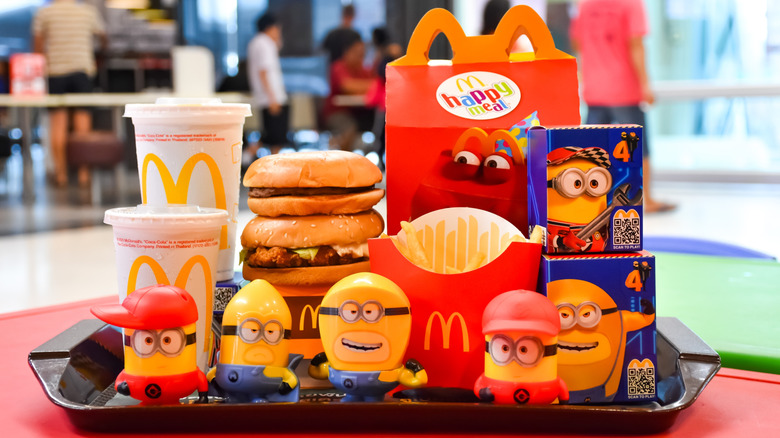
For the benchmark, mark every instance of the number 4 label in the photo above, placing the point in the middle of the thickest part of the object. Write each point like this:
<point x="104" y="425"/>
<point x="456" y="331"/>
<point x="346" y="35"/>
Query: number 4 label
<point x="634" y="281"/>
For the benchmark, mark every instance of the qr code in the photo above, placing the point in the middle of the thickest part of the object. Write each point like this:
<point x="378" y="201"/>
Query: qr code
<point x="641" y="379"/>
<point x="222" y="296"/>
<point x="626" y="231"/>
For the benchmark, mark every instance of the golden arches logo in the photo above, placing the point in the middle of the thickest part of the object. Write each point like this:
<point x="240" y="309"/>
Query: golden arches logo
<point x="176" y="192"/>
<point x="630" y="214"/>
<point x="314" y="311"/>
<point x="446" y="329"/>
<point x="488" y="143"/>
<point x="467" y="81"/>
<point x="181" y="280"/>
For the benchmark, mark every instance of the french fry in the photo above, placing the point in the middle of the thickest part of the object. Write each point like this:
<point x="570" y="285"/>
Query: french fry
<point x="514" y="238"/>
<point x="537" y="234"/>
<point x="401" y="248"/>
<point x="451" y="270"/>
<point x="476" y="261"/>
<point x="416" y="250"/>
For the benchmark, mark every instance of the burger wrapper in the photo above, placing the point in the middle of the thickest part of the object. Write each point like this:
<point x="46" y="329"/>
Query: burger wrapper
<point x="446" y="334"/>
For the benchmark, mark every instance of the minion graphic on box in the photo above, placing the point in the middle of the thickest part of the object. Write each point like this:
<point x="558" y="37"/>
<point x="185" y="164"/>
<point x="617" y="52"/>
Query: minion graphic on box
<point x="365" y="322"/>
<point x="592" y="340"/>
<point x="159" y="339"/>
<point x="254" y="364"/>
<point x="521" y="345"/>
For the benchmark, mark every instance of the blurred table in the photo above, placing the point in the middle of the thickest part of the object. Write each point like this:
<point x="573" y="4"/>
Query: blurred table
<point x="23" y="107"/>
<point x="731" y="303"/>
<point x="735" y="403"/>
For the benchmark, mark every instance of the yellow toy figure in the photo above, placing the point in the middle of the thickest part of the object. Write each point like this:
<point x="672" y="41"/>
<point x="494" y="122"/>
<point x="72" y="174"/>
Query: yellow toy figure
<point x="365" y="323"/>
<point x="591" y="345"/>
<point x="578" y="181"/>
<point x="254" y="364"/>
<point x="160" y="355"/>
<point x="521" y="334"/>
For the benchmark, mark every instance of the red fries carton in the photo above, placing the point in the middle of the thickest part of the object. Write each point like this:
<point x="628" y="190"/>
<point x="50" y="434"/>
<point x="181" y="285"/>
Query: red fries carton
<point x="456" y="129"/>
<point x="446" y="334"/>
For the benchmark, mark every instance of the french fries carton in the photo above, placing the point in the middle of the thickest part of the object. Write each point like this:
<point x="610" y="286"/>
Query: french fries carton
<point x="606" y="347"/>
<point x="585" y="187"/>
<point x="485" y="259"/>
<point x="456" y="129"/>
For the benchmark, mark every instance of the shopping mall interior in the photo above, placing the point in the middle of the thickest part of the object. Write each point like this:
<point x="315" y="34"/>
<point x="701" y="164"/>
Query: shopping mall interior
<point x="715" y="140"/>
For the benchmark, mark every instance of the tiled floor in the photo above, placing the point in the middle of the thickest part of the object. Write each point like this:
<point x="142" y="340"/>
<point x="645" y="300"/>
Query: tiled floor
<point x="74" y="258"/>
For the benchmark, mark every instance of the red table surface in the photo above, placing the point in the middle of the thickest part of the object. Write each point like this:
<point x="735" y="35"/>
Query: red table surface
<point x="735" y="403"/>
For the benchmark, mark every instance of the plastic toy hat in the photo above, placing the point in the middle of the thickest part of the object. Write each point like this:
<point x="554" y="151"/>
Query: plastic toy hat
<point x="521" y="310"/>
<point x="155" y="307"/>
<point x="595" y="155"/>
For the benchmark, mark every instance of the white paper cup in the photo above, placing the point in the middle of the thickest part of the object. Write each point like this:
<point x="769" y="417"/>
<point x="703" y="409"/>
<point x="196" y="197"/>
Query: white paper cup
<point x="176" y="245"/>
<point x="189" y="152"/>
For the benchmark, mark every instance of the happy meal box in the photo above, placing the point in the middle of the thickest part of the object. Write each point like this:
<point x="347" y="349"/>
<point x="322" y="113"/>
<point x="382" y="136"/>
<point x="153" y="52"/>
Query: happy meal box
<point x="585" y="187"/>
<point x="607" y="307"/>
<point x="456" y="129"/>
<point x="469" y="257"/>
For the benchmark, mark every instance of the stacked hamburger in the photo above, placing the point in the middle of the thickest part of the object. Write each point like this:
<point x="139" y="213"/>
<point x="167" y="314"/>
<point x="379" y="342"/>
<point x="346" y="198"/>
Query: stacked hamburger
<point x="314" y="217"/>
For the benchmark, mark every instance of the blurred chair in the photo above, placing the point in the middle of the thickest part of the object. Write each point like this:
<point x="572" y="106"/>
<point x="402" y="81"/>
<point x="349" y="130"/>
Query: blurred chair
<point x="98" y="150"/>
<point x="687" y="245"/>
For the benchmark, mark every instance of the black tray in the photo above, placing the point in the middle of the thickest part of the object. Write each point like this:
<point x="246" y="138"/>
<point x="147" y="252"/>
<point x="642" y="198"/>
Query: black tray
<point x="88" y="356"/>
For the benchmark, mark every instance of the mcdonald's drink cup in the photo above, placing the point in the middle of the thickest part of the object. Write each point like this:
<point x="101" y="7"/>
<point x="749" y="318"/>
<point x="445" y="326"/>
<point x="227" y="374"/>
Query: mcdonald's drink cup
<point x="177" y="245"/>
<point x="189" y="152"/>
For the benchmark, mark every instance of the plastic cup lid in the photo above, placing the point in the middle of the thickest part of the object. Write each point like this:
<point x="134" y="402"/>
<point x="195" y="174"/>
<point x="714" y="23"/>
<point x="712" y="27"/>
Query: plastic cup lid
<point x="171" y="107"/>
<point x="177" y="215"/>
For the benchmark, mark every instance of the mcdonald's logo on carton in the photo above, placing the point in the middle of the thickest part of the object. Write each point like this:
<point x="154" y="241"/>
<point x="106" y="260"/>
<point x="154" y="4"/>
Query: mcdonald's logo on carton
<point x="304" y="304"/>
<point x="446" y="330"/>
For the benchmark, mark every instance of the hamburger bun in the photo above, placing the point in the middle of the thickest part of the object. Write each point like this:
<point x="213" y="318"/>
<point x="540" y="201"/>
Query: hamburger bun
<point x="313" y="169"/>
<point x="307" y="276"/>
<point x="317" y="204"/>
<point x="310" y="231"/>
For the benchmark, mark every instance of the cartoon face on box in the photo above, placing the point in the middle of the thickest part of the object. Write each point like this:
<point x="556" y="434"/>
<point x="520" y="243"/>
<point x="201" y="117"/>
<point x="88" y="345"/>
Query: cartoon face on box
<point x="484" y="171"/>
<point x="607" y="315"/>
<point x="586" y="188"/>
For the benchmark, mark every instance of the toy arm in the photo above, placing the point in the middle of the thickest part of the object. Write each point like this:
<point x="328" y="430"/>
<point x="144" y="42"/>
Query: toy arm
<point x="413" y="374"/>
<point x="121" y="384"/>
<point x="203" y="387"/>
<point x="318" y="368"/>
<point x="289" y="382"/>
<point x="211" y="374"/>
<point x="563" y="392"/>
<point x="637" y="320"/>
<point x="482" y="391"/>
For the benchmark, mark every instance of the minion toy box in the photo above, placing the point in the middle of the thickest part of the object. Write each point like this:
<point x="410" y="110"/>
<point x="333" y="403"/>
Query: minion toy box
<point x="585" y="187"/>
<point x="606" y="305"/>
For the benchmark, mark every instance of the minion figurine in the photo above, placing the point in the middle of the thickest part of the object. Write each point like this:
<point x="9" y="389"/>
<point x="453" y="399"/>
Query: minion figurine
<point x="521" y="367"/>
<point x="159" y="338"/>
<point x="365" y="323"/>
<point x="591" y="345"/>
<point x="578" y="180"/>
<point x="254" y="364"/>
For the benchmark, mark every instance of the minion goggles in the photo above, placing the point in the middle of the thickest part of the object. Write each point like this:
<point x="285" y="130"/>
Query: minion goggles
<point x="169" y="342"/>
<point x="371" y="312"/>
<point x="590" y="317"/>
<point x="527" y="351"/>
<point x="251" y="331"/>
<point x="570" y="183"/>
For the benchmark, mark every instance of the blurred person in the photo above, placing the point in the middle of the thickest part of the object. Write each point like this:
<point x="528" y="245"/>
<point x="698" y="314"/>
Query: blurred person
<point x="491" y="15"/>
<point x="337" y="41"/>
<point x="608" y="35"/>
<point x="386" y="51"/>
<point x="348" y="76"/>
<point x="63" y="31"/>
<point x="267" y="85"/>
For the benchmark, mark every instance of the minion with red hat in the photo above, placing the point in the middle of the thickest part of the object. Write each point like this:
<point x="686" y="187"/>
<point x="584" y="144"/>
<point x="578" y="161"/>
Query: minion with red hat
<point x="578" y="180"/>
<point x="521" y="344"/>
<point x="159" y="339"/>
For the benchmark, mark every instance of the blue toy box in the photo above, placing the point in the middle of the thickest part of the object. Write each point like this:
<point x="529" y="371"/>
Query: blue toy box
<point x="585" y="187"/>
<point x="606" y="347"/>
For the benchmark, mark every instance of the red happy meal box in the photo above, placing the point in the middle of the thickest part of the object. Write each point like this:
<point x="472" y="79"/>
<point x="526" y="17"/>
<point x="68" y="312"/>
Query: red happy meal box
<point x="446" y="334"/>
<point x="456" y="129"/>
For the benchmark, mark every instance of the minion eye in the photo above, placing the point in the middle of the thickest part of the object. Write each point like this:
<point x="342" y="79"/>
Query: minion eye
<point x="498" y="161"/>
<point x="372" y="311"/>
<point x="249" y="331"/>
<point x="467" y="157"/>
<point x="570" y="183"/>
<point x="143" y="342"/>
<point x="171" y="341"/>
<point x="566" y="316"/>
<point x="529" y="351"/>
<point x="599" y="181"/>
<point x="273" y="332"/>
<point x="589" y="316"/>
<point x="500" y="348"/>
<point x="350" y="311"/>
